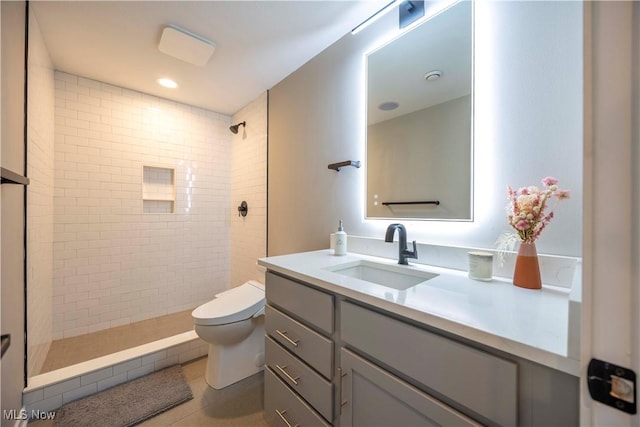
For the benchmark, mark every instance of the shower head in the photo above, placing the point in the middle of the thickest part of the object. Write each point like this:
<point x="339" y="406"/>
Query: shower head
<point x="234" y="128"/>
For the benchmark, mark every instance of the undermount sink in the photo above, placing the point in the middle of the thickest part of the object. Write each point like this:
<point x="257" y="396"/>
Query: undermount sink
<point x="391" y="276"/>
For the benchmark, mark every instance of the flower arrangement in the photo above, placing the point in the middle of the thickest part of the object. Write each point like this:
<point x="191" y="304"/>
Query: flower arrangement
<point x="528" y="210"/>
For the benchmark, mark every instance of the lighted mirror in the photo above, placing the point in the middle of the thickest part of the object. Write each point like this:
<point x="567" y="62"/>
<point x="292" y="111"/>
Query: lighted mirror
<point x="419" y="121"/>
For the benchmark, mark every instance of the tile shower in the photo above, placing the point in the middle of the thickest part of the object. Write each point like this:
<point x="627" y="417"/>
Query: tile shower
<point x="132" y="223"/>
<point x="115" y="262"/>
<point x="114" y="259"/>
<point x="140" y="208"/>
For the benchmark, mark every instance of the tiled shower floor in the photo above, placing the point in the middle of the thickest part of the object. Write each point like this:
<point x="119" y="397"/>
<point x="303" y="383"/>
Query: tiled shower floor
<point x="69" y="351"/>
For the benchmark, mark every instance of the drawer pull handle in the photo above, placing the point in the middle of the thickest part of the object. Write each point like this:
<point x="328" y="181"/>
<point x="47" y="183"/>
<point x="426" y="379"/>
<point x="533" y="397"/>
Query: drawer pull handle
<point x="343" y="401"/>
<point x="283" y="334"/>
<point x="286" y="374"/>
<point x="281" y="415"/>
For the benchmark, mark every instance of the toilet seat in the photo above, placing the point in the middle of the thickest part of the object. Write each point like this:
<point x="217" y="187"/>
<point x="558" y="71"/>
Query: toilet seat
<point x="233" y="305"/>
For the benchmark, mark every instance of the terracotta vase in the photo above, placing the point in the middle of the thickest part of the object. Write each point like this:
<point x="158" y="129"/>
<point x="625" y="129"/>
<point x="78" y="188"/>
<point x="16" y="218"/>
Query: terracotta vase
<point x="527" y="271"/>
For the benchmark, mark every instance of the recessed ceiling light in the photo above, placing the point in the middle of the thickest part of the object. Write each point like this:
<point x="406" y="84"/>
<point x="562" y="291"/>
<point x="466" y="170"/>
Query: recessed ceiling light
<point x="167" y="83"/>
<point x="388" y="106"/>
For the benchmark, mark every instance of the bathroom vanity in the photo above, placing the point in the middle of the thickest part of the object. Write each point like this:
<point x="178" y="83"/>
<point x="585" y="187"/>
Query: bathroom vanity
<point x="359" y="341"/>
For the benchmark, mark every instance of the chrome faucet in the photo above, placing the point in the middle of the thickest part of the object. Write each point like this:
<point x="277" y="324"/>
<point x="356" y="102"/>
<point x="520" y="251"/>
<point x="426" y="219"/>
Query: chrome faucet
<point x="403" y="252"/>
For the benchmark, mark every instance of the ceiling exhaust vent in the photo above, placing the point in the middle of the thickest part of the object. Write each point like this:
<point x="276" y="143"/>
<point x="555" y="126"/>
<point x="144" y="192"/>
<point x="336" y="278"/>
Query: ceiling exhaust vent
<point x="186" y="46"/>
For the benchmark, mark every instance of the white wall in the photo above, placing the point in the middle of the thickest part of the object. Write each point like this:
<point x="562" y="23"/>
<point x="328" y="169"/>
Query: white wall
<point x="249" y="183"/>
<point x="40" y="152"/>
<point x="527" y="125"/>
<point x="113" y="264"/>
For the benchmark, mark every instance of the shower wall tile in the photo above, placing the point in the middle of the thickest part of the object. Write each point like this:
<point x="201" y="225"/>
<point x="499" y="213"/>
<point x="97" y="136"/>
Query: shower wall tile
<point x="249" y="183"/>
<point x="40" y="199"/>
<point x="113" y="264"/>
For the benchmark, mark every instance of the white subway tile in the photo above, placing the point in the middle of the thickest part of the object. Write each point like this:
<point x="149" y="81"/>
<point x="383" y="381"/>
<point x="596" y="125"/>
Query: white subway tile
<point x="109" y="195"/>
<point x="79" y="393"/>
<point x="126" y="366"/>
<point x="89" y="101"/>
<point x="166" y="362"/>
<point x="32" y="396"/>
<point x="47" y="404"/>
<point x="58" y="389"/>
<point x="139" y="372"/>
<point x="112" y="381"/>
<point x="96" y="376"/>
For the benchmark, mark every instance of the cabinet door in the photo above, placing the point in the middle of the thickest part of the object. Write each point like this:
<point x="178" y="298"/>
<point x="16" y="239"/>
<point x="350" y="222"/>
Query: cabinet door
<point x="485" y="384"/>
<point x="373" y="397"/>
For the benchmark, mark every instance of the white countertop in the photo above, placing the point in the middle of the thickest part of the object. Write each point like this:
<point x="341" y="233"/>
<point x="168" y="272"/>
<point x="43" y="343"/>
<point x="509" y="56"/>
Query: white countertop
<point x="532" y="324"/>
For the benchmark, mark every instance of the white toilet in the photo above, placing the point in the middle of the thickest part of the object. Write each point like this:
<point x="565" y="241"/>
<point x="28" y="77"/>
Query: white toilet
<point x="233" y="325"/>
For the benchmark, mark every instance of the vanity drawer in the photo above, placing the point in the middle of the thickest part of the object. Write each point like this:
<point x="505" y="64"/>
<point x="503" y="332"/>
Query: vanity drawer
<point x="308" y="345"/>
<point x="301" y="378"/>
<point x="306" y="303"/>
<point x="481" y="382"/>
<point x="285" y="407"/>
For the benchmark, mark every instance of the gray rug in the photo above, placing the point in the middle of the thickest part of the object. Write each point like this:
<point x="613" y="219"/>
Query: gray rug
<point x="128" y="404"/>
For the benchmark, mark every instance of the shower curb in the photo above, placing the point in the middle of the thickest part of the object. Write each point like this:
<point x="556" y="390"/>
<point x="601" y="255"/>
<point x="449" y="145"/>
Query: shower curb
<point x="49" y="391"/>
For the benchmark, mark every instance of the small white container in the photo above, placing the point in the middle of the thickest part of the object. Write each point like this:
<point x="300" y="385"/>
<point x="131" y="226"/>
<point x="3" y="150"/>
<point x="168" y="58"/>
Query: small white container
<point x="480" y="265"/>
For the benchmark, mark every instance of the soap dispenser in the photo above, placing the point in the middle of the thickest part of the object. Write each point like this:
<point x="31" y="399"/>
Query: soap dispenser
<point x="341" y="241"/>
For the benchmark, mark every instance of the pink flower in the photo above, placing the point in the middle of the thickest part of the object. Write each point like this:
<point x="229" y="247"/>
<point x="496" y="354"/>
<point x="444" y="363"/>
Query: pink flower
<point x="528" y="211"/>
<point x="526" y="202"/>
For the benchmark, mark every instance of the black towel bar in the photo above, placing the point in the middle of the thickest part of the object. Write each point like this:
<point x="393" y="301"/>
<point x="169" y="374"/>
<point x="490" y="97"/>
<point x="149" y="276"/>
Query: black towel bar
<point x="429" y="202"/>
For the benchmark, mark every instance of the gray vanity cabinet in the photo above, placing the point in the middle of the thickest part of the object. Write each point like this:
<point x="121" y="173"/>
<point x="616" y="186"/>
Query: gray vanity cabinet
<point x="475" y="380"/>
<point x="372" y="397"/>
<point x="332" y="360"/>
<point x="298" y="354"/>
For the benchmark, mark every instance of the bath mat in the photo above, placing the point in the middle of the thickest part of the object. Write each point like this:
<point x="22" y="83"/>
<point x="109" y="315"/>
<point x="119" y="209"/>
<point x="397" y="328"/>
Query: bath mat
<point x="128" y="404"/>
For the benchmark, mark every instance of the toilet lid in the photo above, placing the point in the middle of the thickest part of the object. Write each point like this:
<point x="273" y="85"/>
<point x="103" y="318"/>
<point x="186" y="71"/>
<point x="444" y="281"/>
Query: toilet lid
<point x="230" y="306"/>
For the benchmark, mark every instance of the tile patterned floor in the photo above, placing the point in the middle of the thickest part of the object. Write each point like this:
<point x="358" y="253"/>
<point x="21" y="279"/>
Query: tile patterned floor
<point x="69" y="351"/>
<point x="238" y="405"/>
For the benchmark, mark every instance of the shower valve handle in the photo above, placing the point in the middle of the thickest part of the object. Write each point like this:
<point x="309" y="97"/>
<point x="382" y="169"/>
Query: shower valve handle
<point x="243" y="209"/>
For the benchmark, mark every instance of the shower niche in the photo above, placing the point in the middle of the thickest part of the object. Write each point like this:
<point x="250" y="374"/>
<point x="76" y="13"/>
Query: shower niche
<point x="158" y="190"/>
